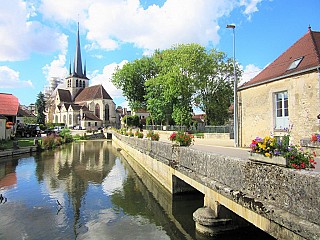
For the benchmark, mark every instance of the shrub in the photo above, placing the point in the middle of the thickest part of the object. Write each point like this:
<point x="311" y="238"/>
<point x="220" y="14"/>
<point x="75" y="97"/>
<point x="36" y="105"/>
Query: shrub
<point x="51" y="141"/>
<point x="153" y="136"/>
<point x="65" y="134"/>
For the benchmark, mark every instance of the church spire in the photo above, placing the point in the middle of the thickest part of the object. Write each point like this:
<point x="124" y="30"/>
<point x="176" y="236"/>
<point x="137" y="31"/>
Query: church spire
<point x="77" y="58"/>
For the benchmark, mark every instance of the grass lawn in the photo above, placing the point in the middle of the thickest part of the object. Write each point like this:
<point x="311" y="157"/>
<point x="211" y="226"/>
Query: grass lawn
<point x="24" y="142"/>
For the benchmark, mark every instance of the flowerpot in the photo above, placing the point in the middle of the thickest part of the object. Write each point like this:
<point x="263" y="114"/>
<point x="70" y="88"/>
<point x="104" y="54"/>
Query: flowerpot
<point x="275" y="160"/>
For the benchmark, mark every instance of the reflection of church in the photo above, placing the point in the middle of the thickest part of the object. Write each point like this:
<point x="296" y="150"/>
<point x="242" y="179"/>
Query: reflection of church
<point x="75" y="103"/>
<point x="73" y="169"/>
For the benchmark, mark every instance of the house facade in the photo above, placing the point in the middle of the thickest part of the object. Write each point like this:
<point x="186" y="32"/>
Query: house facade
<point x="284" y="98"/>
<point x="9" y="105"/>
<point x="75" y="103"/>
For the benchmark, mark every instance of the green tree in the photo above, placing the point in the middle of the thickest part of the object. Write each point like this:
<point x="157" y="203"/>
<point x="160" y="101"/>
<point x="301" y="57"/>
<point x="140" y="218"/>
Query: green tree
<point x="214" y="86"/>
<point x="131" y="80"/>
<point x="40" y="106"/>
<point x="171" y="92"/>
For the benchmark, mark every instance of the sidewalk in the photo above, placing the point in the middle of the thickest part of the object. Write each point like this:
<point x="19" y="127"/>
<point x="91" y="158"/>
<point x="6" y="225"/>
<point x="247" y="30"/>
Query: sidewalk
<point x="224" y="147"/>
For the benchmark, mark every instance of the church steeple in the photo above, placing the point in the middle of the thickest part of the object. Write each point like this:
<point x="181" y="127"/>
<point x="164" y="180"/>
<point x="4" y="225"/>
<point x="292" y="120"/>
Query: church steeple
<point x="77" y="70"/>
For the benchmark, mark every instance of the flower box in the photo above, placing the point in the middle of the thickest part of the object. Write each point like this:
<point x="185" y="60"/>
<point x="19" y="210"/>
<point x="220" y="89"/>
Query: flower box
<point x="276" y="160"/>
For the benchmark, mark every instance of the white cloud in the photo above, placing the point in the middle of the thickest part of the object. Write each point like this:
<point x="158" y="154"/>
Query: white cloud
<point x="105" y="79"/>
<point x="112" y="23"/>
<point x="10" y="78"/>
<point x="249" y="72"/>
<point x="19" y="36"/>
<point x="250" y="6"/>
<point x="56" y="68"/>
<point x="65" y="11"/>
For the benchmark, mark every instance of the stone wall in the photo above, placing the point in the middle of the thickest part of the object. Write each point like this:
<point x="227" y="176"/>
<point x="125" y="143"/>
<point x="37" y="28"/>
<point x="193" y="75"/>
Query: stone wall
<point x="256" y="109"/>
<point x="288" y="197"/>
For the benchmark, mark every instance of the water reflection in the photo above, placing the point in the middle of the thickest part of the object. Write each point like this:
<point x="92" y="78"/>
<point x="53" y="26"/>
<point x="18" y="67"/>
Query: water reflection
<point x="83" y="191"/>
<point x="86" y="190"/>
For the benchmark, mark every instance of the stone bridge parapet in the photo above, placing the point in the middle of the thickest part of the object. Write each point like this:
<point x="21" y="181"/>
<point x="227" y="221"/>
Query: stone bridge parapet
<point x="288" y="197"/>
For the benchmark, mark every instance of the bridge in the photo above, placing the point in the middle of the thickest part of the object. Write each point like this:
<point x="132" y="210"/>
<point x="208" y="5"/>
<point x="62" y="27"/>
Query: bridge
<point x="280" y="201"/>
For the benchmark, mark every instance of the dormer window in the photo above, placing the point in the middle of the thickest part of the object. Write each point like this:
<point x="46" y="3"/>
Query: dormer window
<point x="295" y="63"/>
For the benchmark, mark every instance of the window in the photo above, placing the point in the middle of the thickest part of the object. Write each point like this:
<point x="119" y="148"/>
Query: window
<point x="281" y="110"/>
<point x="89" y="124"/>
<point x="77" y="83"/>
<point x="95" y="124"/>
<point x="80" y="83"/>
<point x="97" y="110"/>
<point x="295" y="63"/>
<point x="106" y="114"/>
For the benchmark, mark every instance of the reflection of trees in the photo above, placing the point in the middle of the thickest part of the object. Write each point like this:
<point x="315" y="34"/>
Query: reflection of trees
<point x="73" y="167"/>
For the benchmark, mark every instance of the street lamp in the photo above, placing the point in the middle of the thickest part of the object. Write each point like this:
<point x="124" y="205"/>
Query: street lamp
<point x="235" y="102"/>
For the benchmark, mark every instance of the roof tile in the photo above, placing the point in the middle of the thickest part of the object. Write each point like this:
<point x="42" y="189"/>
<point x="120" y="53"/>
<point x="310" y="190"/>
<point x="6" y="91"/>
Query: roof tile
<point x="9" y="104"/>
<point x="307" y="47"/>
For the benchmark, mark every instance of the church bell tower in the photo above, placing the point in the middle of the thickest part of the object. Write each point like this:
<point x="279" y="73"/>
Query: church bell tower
<point x="77" y="79"/>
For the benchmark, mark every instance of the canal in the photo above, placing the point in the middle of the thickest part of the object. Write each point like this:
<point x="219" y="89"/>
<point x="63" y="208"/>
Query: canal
<point x="87" y="190"/>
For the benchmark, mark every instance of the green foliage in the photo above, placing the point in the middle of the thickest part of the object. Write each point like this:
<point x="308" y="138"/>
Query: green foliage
<point x="29" y="120"/>
<point x="131" y="80"/>
<point x="153" y="136"/>
<point x="170" y="82"/>
<point x="40" y="106"/>
<point x="65" y="134"/>
<point x="131" y="121"/>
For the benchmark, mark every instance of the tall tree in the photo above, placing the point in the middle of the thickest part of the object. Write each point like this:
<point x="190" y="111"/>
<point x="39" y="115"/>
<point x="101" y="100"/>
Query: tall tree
<point x="131" y="80"/>
<point x="40" y="106"/>
<point x="215" y="87"/>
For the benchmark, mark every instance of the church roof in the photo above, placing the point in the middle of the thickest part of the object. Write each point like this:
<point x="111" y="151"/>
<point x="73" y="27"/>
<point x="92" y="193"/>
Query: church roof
<point x="64" y="95"/>
<point x="9" y="104"/>
<point x="302" y="56"/>
<point x="91" y="93"/>
<point x="24" y="112"/>
<point x="91" y="117"/>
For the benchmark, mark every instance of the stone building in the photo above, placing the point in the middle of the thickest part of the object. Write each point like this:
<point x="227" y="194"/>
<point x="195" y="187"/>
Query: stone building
<point x="74" y="103"/>
<point x="285" y="95"/>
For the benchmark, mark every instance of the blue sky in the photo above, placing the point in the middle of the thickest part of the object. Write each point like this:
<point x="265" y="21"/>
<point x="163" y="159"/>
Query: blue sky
<point x="37" y="37"/>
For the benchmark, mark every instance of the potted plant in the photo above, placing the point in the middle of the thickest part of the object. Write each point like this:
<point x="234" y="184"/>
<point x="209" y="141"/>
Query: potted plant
<point x="182" y="138"/>
<point x="280" y="152"/>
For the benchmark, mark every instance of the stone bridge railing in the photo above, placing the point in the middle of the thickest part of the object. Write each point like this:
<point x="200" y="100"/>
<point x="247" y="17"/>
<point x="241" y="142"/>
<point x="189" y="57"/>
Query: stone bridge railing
<point x="290" y="198"/>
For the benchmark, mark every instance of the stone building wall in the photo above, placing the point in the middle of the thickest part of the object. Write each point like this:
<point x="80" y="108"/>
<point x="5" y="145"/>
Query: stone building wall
<point x="256" y="108"/>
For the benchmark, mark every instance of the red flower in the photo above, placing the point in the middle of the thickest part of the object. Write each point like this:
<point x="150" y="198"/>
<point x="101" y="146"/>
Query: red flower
<point x="314" y="138"/>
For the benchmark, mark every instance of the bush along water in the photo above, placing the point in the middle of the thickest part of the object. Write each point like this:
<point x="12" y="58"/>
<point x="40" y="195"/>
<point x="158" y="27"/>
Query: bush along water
<point x="296" y="156"/>
<point x="182" y="138"/>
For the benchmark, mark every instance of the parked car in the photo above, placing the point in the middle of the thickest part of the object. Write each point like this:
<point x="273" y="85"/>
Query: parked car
<point x="58" y="129"/>
<point x="29" y="130"/>
<point x="78" y="127"/>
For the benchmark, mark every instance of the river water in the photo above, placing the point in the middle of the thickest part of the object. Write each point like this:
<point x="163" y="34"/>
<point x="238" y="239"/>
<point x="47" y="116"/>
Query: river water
<point x="87" y="190"/>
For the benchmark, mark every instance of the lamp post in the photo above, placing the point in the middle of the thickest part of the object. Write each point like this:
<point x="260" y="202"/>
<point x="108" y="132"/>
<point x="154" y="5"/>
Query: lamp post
<point x="235" y="102"/>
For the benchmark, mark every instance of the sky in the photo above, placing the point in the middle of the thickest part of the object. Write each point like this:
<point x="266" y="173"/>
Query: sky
<point x="38" y="37"/>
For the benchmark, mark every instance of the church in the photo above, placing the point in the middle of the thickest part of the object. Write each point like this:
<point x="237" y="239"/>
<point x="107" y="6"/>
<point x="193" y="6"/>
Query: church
<point x="75" y="104"/>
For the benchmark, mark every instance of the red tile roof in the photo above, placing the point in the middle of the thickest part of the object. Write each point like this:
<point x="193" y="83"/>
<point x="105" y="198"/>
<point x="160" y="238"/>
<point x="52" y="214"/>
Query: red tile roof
<point x="9" y="104"/>
<point x="307" y="47"/>
<point x="93" y="92"/>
